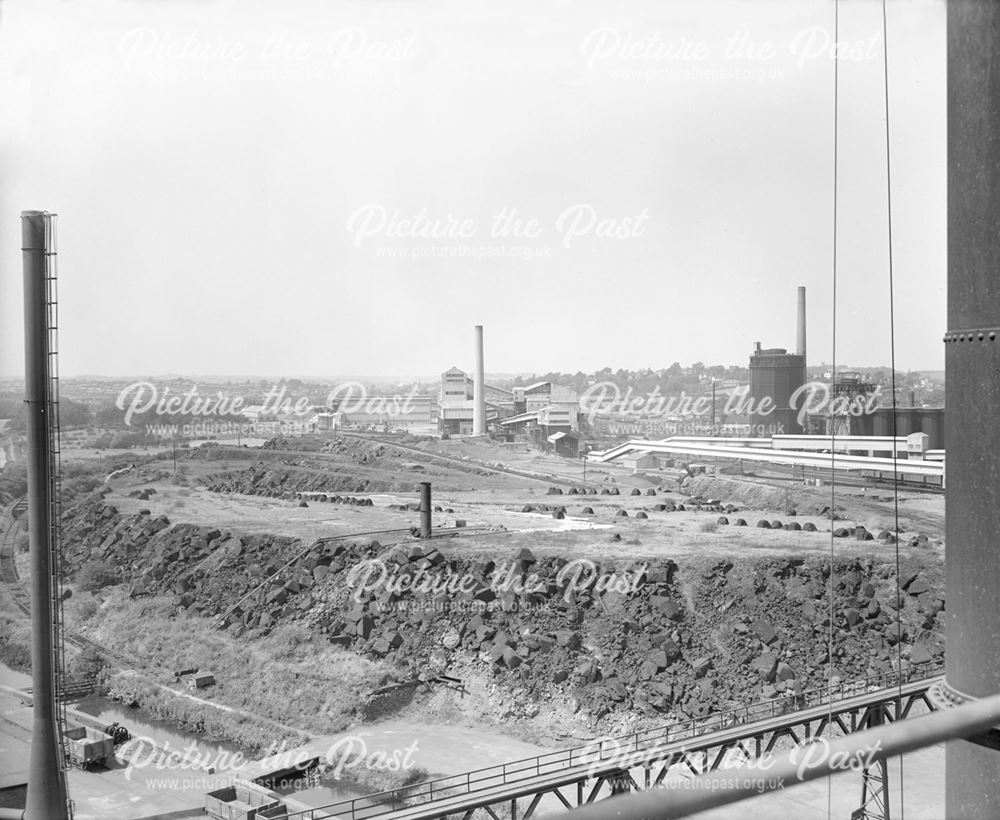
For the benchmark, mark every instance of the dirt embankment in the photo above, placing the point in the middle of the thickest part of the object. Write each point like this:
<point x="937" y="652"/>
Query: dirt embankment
<point x="339" y="465"/>
<point x="281" y="481"/>
<point x="918" y="512"/>
<point x="600" y="645"/>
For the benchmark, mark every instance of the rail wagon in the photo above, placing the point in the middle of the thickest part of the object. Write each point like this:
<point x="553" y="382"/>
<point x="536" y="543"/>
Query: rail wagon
<point x="88" y="746"/>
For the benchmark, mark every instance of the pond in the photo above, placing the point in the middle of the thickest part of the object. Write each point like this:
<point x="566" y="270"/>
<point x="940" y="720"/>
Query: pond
<point x="142" y="724"/>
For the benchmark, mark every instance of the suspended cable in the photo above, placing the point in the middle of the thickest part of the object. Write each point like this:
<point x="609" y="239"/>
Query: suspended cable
<point x="892" y="365"/>
<point x="833" y="376"/>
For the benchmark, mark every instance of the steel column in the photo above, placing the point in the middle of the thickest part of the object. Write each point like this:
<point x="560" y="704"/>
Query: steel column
<point x="972" y="364"/>
<point x="46" y="798"/>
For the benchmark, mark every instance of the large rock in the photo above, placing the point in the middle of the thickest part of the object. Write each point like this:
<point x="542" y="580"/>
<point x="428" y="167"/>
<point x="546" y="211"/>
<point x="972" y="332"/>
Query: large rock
<point x="616" y="689"/>
<point x="701" y="666"/>
<point x="567" y="639"/>
<point x="784" y="672"/>
<point x="671" y="649"/>
<point x="667" y="606"/>
<point x="763" y="630"/>
<point x="920" y="654"/>
<point x="365" y="627"/>
<point x="766" y="664"/>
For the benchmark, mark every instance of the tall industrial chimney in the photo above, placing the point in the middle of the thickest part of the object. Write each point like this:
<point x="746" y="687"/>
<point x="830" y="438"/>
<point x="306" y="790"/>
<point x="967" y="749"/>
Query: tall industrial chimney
<point x="479" y="389"/>
<point x="46" y="777"/>
<point x="800" y="347"/>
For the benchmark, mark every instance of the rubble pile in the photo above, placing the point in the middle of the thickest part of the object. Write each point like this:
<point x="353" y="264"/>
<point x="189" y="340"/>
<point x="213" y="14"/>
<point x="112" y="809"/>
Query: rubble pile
<point x="658" y="640"/>
<point x="284" y="481"/>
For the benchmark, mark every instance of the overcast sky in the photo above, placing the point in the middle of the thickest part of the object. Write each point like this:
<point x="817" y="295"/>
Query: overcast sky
<point x="303" y="188"/>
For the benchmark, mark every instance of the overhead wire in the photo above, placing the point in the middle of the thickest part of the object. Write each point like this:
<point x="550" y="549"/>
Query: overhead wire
<point x="832" y="420"/>
<point x="892" y="367"/>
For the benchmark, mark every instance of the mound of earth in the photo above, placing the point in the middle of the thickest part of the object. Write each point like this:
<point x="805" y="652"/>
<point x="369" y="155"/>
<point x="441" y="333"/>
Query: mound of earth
<point x="668" y="639"/>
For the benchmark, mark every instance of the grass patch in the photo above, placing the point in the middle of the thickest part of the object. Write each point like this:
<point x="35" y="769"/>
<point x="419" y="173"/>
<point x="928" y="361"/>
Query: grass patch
<point x="289" y="677"/>
<point x="15" y="645"/>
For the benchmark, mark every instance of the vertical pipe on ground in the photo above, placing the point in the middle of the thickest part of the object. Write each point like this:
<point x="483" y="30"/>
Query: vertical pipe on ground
<point x="46" y="796"/>
<point x="425" y="509"/>
<point x="479" y="389"/>
<point x="972" y="365"/>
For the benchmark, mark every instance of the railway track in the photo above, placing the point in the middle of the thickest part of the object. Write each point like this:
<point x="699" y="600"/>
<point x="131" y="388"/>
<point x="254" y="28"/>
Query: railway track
<point x="14" y="588"/>
<point x="549" y="478"/>
<point x="8" y="569"/>
<point x="795" y="475"/>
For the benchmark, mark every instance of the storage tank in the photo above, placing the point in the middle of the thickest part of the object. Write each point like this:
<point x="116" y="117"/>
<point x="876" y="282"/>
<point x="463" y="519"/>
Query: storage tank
<point x="775" y="374"/>
<point x="883" y="422"/>
<point x="932" y="423"/>
<point x="904" y="421"/>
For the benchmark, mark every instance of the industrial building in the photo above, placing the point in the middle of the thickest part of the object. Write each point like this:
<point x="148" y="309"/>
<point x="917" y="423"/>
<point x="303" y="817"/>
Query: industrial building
<point x="543" y="394"/>
<point x="537" y="411"/>
<point x="404" y="411"/>
<point x="775" y="375"/>
<point x="929" y="420"/>
<point x="917" y="463"/>
<point x="458" y="403"/>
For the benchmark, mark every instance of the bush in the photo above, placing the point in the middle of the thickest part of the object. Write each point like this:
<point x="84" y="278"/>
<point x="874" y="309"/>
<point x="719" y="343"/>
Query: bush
<point x="79" y="485"/>
<point x="81" y="609"/>
<point x="372" y="775"/>
<point x="85" y="665"/>
<point x="291" y="677"/>
<point x="96" y="576"/>
<point x="13" y="482"/>
<point x="102" y="442"/>
<point x="75" y="470"/>
<point x="15" y="646"/>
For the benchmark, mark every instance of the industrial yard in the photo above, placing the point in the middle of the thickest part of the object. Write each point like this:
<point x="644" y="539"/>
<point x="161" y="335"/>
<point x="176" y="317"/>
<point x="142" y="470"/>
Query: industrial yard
<point x="463" y="411"/>
<point x="213" y="560"/>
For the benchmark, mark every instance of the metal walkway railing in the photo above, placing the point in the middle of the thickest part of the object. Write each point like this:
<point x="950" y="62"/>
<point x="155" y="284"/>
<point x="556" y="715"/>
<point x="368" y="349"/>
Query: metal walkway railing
<point x="514" y="772"/>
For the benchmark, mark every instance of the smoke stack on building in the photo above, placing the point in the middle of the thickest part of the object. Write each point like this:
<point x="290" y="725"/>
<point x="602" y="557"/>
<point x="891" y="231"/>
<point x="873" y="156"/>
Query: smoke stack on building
<point x="800" y="347"/>
<point x="479" y="388"/>
<point x="776" y="374"/>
